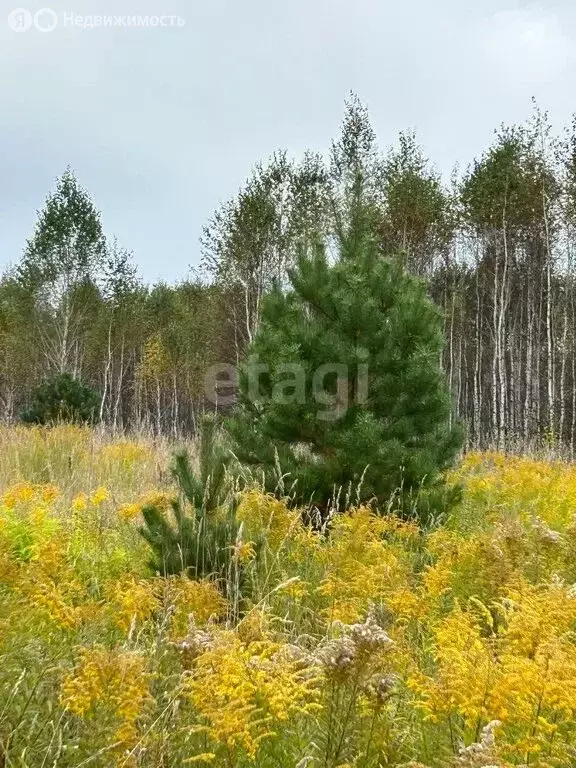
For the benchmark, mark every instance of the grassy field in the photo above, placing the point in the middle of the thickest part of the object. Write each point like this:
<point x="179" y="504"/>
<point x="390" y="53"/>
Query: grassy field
<point x="378" y="645"/>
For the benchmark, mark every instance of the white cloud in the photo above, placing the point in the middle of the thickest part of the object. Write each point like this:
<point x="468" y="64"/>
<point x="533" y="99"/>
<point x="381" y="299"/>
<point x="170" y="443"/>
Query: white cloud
<point x="528" y="45"/>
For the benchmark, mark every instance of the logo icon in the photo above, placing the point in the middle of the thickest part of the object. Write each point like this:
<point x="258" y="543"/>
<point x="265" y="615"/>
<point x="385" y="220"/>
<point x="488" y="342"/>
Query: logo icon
<point x="45" y="20"/>
<point x="20" y="20"/>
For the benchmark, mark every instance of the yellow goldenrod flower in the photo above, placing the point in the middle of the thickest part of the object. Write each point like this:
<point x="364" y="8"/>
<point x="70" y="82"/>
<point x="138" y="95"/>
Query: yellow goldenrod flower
<point x="112" y="680"/>
<point x="99" y="496"/>
<point x="243" y="691"/>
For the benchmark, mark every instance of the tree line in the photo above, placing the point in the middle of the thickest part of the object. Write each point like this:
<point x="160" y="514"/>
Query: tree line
<point x="495" y="245"/>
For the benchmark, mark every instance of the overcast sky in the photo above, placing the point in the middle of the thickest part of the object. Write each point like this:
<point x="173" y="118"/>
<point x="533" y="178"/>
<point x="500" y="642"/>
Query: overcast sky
<point x="161" y="124"/>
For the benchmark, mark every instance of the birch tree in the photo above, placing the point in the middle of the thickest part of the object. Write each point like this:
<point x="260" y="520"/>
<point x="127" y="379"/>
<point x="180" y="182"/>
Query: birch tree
<point x="65" y="253"/>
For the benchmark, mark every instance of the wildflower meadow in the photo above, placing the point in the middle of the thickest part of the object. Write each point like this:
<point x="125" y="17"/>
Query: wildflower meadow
<point x="373" y="642"/>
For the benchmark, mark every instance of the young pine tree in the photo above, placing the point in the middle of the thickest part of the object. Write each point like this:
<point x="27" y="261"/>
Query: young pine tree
<point x="62" y="398"/>
<point x="343" y="389"/>
<point x="199" y="535"/>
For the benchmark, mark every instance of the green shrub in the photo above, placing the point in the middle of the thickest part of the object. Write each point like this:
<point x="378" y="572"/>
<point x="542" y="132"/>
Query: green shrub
<point x="62" y="398"/>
